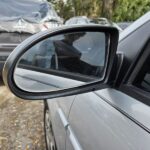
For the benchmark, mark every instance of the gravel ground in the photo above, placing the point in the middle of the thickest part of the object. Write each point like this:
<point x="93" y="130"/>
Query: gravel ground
<point x="21" y="123"/>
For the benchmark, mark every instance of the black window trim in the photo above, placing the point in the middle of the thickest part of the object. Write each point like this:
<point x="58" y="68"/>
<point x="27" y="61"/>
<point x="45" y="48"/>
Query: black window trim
<point x="127" y="85"/>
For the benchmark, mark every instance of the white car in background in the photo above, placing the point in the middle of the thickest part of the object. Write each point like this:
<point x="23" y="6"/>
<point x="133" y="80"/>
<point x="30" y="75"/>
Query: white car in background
<point x="85" y="20"/>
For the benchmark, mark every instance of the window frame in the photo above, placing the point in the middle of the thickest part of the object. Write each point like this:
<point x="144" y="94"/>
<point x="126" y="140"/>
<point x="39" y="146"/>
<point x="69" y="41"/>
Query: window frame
<point x="128" y="86"/>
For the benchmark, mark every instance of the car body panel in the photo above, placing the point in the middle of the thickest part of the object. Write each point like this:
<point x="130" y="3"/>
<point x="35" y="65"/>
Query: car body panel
<point x="59" y="130"/>
<point x="97" y="125"/>
<point x="134" y="109"/>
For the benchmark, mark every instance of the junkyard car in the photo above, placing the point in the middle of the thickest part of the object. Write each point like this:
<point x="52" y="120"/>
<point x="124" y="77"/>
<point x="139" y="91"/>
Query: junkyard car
<point x="85" y="20"/>
<point x="21" y="19"/>
<point x="124" y="25"/>
<point x="96" y="96"/>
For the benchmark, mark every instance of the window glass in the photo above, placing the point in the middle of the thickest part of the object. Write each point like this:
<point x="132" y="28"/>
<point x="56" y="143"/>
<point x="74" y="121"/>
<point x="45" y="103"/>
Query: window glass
<point x="82" y="53"/>
<point x="63" y="61"/>
<point x="143" y="79"/>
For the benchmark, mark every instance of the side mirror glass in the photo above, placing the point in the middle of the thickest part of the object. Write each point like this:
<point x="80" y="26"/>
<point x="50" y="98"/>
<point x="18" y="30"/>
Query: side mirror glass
<point x="63" y="61"/>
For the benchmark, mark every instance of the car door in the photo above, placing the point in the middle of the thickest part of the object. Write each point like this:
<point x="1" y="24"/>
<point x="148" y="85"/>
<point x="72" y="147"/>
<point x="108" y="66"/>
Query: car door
<point x="96" y="124"/>
<point x="116" y="118"/>
<point x="59" y="109"/>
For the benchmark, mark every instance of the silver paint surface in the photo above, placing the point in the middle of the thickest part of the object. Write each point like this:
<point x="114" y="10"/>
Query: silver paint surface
<point x="99" y="126"/>
<point x="134" y="108"/>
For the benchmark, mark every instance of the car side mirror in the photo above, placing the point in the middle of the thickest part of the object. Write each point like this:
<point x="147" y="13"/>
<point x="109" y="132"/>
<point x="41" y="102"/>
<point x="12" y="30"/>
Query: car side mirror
<point x="60" y="62"/>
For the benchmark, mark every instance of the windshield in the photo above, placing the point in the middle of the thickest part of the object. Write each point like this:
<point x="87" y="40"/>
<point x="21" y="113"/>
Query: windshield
<point x="29" y="10"/>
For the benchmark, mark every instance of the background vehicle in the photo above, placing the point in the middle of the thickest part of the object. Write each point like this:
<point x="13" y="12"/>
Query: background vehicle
<point x="124" y="25"/>
<point x="85" y="20"/>
<point x="77" y="20"/>
<point x="21" y="19"/>
<point x="114" y="114"/>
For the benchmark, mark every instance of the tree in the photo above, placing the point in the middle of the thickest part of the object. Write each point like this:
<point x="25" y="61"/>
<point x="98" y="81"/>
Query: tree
<point x="64" y="10"/>
<point x="116" y="10"/>
<point x="108" y="7"/>
<point x="129" y="10"/>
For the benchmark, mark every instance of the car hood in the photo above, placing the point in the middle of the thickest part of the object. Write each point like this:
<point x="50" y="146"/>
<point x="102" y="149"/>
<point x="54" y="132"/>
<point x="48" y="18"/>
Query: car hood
<point x="27" y="27"/>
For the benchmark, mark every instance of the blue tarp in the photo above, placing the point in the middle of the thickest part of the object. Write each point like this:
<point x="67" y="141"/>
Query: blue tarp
<point x="28" y="10"/>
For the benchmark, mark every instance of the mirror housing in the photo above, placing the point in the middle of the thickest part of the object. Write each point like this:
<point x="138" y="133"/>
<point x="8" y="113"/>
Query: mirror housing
<point x="13" y="59"/>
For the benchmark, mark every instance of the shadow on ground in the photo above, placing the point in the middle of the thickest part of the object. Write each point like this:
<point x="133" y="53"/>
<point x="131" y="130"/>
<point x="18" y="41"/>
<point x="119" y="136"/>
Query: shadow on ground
<point x="21" y="123"/>
<point x="1" y="82"/>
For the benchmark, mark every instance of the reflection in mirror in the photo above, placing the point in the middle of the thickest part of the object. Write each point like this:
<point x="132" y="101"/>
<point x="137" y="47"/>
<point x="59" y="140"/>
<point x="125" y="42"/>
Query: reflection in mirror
<point x="62" y="61"/>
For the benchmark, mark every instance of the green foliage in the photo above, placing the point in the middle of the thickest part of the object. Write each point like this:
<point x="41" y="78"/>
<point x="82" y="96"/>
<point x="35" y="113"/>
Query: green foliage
<point x="84" y="8"/>
<point x="130" y="10"/>
<point x="117" y="10"/>
<point x="64" y="10"/>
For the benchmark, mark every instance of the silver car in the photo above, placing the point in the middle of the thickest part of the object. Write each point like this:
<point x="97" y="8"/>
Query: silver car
<point x="96" y="88"/>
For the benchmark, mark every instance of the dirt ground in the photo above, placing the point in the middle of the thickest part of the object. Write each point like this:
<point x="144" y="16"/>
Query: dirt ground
<point x="21" y="123"/>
